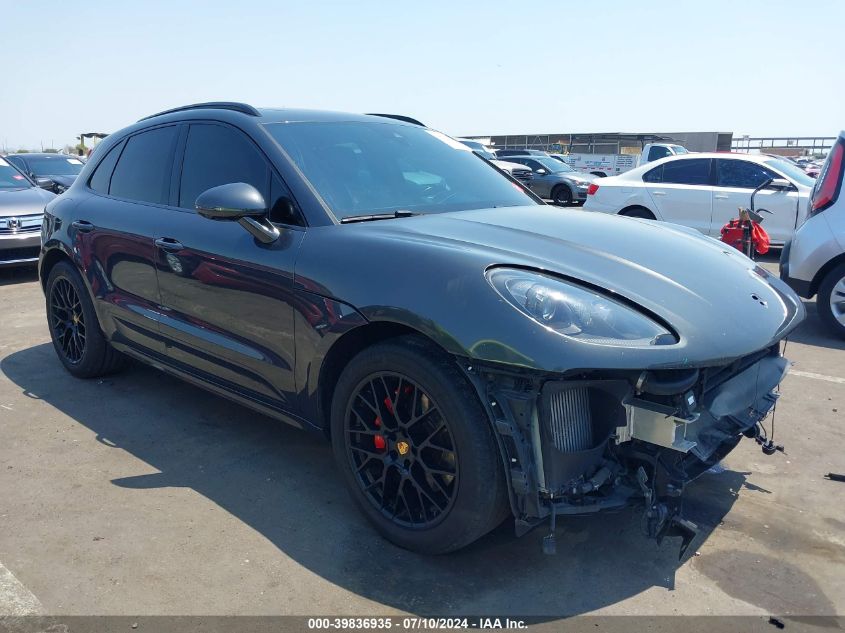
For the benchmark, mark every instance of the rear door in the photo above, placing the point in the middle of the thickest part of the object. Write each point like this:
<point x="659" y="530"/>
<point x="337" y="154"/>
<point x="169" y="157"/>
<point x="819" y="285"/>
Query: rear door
<point x="227" y="299"/>
<point x="736" y="180"/>
<point x="681" y="191"/>
<point x="114" y="234"/>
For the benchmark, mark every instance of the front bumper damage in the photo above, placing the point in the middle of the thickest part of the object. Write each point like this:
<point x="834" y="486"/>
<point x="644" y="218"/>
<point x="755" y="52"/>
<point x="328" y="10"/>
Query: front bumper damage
<point x="590" y="441"/>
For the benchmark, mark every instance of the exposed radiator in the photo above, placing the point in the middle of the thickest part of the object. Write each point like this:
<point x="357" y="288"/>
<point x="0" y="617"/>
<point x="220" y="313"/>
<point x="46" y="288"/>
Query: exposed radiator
<point x="569" y="420"/>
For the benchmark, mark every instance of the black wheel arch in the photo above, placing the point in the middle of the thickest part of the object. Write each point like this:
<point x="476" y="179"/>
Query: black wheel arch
<point x="627" y="210"/>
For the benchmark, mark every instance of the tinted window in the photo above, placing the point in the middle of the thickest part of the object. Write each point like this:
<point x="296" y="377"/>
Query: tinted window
<point x="55" y="165"/>
<point x="658" y="152"/>
<point x="283" y="209"/>
<point x="217" y="155"/>
<point x="655" y="175"/>
<point x="17" y="161"/>
<point x="102" y="173"/>
<point x="695" y="171"/>
<point x="11" y="178"/>
<point x="143" y="170"/>
<point x="366" y="167"/>
<point x="741" y="173"/>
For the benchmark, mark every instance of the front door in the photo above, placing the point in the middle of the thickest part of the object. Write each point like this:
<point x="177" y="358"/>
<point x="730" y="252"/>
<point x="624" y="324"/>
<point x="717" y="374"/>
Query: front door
<point x="735" y="182"/>
<point x="227" y="299"/>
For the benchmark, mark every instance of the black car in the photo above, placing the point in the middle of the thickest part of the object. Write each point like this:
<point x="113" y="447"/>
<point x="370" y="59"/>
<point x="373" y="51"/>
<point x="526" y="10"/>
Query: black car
<point x="54" y="172"/>
<point x="471" y="352"/>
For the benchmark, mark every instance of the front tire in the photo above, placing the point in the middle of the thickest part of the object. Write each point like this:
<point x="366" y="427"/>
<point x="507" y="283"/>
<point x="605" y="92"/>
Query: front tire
<point x="416" y="448"/>
<point x="562" y="196"/>
<point x="74" y="329"/>
<point x="831" y="300"/>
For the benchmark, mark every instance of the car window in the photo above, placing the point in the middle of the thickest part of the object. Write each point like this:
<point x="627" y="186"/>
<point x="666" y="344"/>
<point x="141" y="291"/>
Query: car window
<point x="658" y="152"/>
<point x="18" y="162"/>
<point x="283" y="209"/>
<point x="741" y="173"/>
<point x="143" y="169"/>
<point x="362" y="168"/>
<point x="219" y="155"/>
<point x="535" y="164"/>
<point x="654" y="175"/>
<point x="101" y="177"/>
<point x="55" y="165"/>
<point x="11" y="178"/>
<point x="695" y="171"/>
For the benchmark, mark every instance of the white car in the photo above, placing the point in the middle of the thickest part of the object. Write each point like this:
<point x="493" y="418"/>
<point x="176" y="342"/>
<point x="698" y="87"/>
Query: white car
<point x="704" y="190"/>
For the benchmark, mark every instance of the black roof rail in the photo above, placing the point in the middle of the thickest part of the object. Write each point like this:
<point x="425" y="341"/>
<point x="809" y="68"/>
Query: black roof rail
<point x="398" y="117"/>
<point x="243" y="108"/>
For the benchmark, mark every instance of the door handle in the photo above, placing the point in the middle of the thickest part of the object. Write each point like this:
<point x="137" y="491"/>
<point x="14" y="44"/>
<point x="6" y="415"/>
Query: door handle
<point x="83" y="226"/>
<point x="720" y="196"/>
<point x="658" y="193"/>
<point x="169" y="244"/>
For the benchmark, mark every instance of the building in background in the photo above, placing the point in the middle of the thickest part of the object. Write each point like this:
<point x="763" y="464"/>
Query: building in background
<point x="609" y="142"/>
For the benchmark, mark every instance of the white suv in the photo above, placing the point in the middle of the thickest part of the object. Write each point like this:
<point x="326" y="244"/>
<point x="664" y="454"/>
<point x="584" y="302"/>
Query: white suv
<point x="814" y="261"/>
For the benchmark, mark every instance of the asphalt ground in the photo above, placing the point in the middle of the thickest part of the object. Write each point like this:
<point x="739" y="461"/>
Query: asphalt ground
<point x="139" y="494"/>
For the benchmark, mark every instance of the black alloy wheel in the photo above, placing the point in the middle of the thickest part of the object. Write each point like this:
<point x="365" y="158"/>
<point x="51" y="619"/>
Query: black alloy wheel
<point x="67" y="321"/>
<point x="401" y="449"/>
<point x="562" y="196"/>
<point x="77" y="338"/>
<point x="416" y="448"/>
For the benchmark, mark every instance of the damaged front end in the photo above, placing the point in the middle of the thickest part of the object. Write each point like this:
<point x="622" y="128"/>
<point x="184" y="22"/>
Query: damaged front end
<point x="596" y="440"/>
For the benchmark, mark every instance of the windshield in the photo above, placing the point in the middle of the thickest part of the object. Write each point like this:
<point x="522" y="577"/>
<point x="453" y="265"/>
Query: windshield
<point x="794" y="172"/>
<point x="11" y="178"/>
<point x="54" y="165"/>
<point x="554" y="166"/>
<point x="680" y="149"/>
<point x="373" y="168"/>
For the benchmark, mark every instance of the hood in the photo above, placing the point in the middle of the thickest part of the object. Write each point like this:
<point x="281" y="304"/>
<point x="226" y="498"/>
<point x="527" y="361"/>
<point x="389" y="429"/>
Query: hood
<point x="503" y="164"/>
<point x="27" y="201"/>
<point x="60" y="179"/>
<point x="720" y="303"/>
<point x="577" y="175"/>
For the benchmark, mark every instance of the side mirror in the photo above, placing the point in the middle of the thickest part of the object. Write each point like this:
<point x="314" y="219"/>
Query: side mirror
<point x="44" y="183"/>
<point x="780" y="184"/>
<point x="541" y="171"/>
<point x="233" y="201"/>
<point x="240" y="202"/>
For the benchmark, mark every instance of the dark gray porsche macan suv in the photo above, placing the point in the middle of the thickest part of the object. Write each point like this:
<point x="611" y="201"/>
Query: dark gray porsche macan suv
<point x="470" y="351"/>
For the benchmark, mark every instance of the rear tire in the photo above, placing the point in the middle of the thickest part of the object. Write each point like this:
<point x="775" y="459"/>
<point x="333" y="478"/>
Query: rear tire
<point x="638" y="212"/>
<point x="831" y="301"/>
<point x="74" y="329"/>
<point x="431" y="486"/>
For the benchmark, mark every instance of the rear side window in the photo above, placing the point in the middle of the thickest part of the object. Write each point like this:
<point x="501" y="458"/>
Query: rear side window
<point x="655" y="175"/>
<point x="658" y="152"/>
<point x="218" y="155"/>
<point x="143" y="170"/>
<point x="695" y="171"/>
<point x="101" y="177"/>
<point x="741" y="173"/>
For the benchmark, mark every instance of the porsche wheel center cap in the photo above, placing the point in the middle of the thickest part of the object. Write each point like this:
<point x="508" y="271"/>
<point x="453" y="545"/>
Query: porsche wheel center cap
<point x="403" y="447"/>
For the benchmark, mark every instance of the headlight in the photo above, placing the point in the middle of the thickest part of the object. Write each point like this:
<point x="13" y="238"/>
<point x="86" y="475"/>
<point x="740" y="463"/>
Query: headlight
<point x="577" y="312"/>
<point x="582" y="184"/>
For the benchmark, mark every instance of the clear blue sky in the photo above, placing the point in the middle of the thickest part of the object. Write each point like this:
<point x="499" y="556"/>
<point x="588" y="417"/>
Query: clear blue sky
<point x="462" y="66"/>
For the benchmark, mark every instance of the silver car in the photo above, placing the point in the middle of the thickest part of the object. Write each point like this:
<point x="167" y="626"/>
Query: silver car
<point x="813" y="263"/>
<point x="21" y="211"/>
<point x="554" y="180"/>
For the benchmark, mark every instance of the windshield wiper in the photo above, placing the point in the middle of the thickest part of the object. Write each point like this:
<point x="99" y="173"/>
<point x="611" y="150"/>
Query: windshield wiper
<point x="400" y="213"/>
